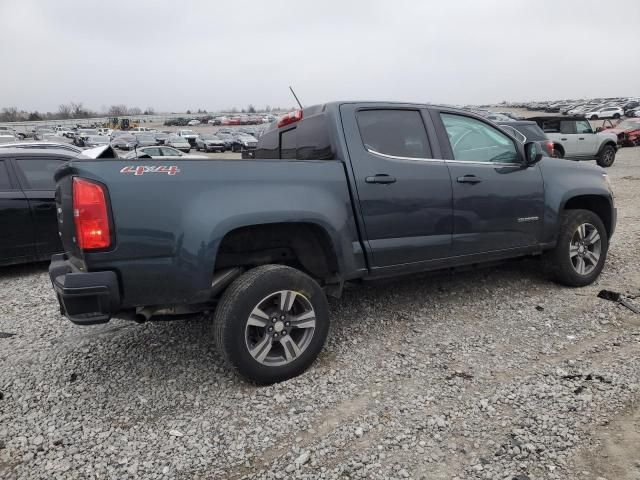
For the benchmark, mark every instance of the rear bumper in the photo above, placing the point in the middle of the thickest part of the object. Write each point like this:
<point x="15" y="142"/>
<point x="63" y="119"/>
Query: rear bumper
<point x="85" y="298"/>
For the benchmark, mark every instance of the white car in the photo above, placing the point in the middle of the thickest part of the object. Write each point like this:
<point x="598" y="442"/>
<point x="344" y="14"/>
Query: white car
<point x="605" y="112"/>
<point x="193" y="122"/>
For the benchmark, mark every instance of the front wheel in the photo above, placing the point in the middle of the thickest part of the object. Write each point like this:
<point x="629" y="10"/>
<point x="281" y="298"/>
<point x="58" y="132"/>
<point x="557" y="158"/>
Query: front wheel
<point x="607" y="156"/>
<point x="271" y="323"/>
<point x="594" y="117"/>
<point x="581" y="251"/>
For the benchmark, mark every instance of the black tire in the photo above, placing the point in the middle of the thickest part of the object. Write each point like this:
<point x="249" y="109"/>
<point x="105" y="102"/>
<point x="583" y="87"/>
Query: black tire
<point x="594" y="117"/>
<point x="607" y="156"/>
<point x="616" y="116"/>
<point x="197" y="148"/>
<point x="237" y="303"/>
<point x="558" y="260"/>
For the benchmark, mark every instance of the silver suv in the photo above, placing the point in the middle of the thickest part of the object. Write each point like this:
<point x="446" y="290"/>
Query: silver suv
<point x="575" y="139"/>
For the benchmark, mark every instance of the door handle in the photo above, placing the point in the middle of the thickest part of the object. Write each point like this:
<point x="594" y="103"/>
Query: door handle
<point x="381" y="178"/>
<point x="469" y="179"/>
<point x="44" y="207"/>
<point x="580" y="138"/>
<point x="563" y="139"/>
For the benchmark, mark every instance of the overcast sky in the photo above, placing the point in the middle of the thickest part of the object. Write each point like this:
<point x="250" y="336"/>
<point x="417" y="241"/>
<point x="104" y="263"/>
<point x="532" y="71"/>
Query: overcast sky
<point x="178" y="55"/>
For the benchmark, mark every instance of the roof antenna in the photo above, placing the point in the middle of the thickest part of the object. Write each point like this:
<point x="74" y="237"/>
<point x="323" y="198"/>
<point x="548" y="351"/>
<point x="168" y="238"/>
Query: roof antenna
<point x="295" y="96"/>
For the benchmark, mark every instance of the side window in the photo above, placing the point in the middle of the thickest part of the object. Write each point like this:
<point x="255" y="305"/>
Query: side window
<point x="5" y="184"/>
<point x="399" y="133"/>
<point x="154" y="152"/>
<point x="38" y="172"/>
<point x="551" y="126"/>
<point x="583" y="126"/>
<point x="171" y="152"/>
<point x="288" y="144"/>
<point x="567" y="127"/>
<point x="475" y="141"/>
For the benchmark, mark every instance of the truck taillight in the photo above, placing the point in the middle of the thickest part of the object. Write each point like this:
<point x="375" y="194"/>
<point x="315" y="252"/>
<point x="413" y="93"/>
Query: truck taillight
<point x="290" y="118"/>
<point x="90" y="215"/>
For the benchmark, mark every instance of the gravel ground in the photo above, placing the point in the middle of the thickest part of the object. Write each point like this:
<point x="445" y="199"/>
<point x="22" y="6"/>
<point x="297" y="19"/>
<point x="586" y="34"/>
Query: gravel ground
<point x="490" y="374"/>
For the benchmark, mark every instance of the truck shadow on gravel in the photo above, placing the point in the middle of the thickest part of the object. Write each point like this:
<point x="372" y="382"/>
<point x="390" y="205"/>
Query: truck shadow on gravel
<point x="129" y="357"/>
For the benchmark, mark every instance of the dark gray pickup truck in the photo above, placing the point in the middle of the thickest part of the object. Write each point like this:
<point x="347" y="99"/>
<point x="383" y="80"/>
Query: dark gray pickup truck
<point x="336" y="192"/>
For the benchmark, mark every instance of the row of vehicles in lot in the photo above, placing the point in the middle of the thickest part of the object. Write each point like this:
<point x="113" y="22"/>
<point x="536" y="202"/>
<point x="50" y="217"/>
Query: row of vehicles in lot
<point x="594" y="109"/>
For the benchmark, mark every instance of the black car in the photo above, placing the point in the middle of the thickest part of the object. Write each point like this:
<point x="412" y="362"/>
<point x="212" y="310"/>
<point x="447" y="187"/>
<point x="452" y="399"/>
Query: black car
<point x="28" y="219"/>
<point x="243" y="141"/>
<point x="532" y="133"/>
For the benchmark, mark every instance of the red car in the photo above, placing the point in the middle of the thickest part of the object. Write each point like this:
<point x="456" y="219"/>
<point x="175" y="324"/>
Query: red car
<point x="628" y="132"/>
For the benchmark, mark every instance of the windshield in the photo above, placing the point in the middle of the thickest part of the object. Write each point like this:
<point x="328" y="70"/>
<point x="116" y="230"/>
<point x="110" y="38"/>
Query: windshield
<point x="187" y="132"/>
<point x="209" y="137"/>
<point x="99" y="139"/>
<point x="147" y="138"/>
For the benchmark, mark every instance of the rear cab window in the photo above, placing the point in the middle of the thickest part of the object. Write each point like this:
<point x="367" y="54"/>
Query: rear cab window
<point x="307" y="139"/>
<point x="394" y="133"/>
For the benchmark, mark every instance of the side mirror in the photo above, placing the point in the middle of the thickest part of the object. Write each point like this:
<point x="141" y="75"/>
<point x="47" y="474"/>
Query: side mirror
<point x="533" y="153"/>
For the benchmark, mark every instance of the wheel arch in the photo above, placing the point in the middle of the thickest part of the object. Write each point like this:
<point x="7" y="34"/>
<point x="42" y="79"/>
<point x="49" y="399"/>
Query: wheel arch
<point x="306" y="245"/>
<point x="598" y="204"/>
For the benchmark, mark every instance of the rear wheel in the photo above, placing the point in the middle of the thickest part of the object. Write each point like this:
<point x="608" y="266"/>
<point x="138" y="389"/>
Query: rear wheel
<point x="594" y="117"/>
<point x="581" y="251"/>
<point x="616" y="116"/>
<point x="271" y="323"/>
<point x="607" y="156"/>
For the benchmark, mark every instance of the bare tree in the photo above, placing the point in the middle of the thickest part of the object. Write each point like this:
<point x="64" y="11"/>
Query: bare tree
<point x="135" y="111"/>
<point x="9" y="114"/>
<point x="64" y="110"/>
<point x="117" y="110"/>
<point x="150" y="111"/>
<point x="76" y="110"/>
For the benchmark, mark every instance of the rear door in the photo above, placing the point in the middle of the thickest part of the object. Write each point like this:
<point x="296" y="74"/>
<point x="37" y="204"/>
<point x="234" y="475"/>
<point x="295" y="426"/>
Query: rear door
<point x="36" y="179"/>
<point x="16" y="226"/>
<point x="404" y="190"/>
<point x="497" y="204"/>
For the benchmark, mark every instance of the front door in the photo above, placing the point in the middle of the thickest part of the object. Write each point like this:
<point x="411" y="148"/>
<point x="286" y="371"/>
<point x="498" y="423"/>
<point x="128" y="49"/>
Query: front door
<point x="497" y="203"/>
<point x="586" y="140"/>
<point x="404" y="193"/>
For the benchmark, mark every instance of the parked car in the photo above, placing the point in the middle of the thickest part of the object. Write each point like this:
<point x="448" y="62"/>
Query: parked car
<point x="531" y="133"/>
<point x="44" y="134"/>
<point x="627" y="131"/>
<point x="161" y="137"/>
<point x="193" y="123"/>
<point x="96" y="141"/>
<point x="369" y="195"/>
<point x="27" y="205"/>
<point x="227" y="138"/>
<point x="124" y="142"/>
<point x="146" y="139"/>
<point x="630" y="106"/>
<point x="178" y="142"/>
<point x="189" y="135"/>
<point x="160" y="152"/>
<point x="82" y="134"/>
<point x="605" y="112"/>
<point x="574" y="138"/>
<point x="243" y="141"/>
<point x="210" y="143"/>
